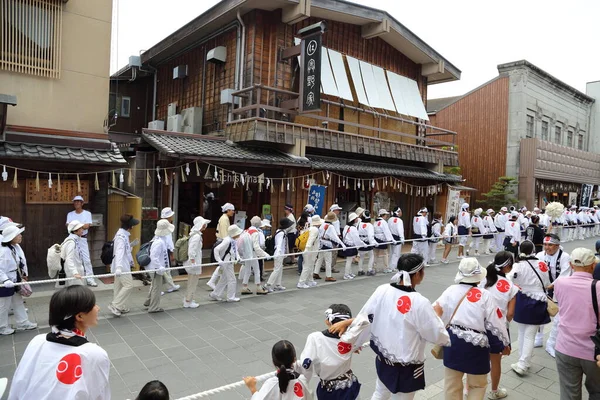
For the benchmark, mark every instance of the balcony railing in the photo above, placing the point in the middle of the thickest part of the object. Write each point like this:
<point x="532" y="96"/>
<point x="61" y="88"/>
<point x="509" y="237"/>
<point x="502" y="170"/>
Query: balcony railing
<point x="261" y="121"/>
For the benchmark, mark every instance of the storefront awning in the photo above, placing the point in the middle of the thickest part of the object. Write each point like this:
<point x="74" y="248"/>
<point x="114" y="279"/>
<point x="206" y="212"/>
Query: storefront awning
<point x="61" y="153"/>
<point x="462" y="188"/>
<point x="218" y="149"/>
<point x="369" y="167"/>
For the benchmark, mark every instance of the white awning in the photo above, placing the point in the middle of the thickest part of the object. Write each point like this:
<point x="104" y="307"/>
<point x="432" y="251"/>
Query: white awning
<point x="328" y="85"/>
<point x="370" y="83"/>
<point x="407" y="96"/>
<point x="383" y="90"/>
<point x="354" y="66"/>
<point x="341" y="77"/>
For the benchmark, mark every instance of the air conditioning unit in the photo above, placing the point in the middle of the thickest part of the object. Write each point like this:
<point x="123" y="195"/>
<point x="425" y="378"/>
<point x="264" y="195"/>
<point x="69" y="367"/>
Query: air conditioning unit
<point x="218" y="55"/>
<point x="171" y="109"/>
<point x="135" y="61"/>
<point x="157" y="125"/>
<point x="175" y="123"/>
<point x="192" y="120"/>
<point x="180" y="72"/>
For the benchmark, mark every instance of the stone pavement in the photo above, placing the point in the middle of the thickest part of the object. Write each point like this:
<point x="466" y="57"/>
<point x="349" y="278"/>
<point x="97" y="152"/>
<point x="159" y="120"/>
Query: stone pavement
<point x="219" y="343"/>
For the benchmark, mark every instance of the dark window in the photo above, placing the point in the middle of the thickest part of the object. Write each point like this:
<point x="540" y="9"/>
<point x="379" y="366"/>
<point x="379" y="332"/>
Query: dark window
<point x="529" y="133"/>
<point x="544" y="130"/>
<point x="557" y="135"/>
<point x="570" y="138"/>
<point x="580" y="141"/>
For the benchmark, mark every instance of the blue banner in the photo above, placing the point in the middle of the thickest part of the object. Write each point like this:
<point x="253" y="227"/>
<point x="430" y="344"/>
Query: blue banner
<point x="316" y="197"/>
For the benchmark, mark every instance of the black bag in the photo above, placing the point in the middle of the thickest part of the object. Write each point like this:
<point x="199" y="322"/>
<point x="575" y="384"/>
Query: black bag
<point x="596" y="337"/>
<point x="143" y="255"/>
<point x="270" y="243"/>
<point x="61" y="274"/>
<point x="108" y="252"/>
<point x="214" y="246"/>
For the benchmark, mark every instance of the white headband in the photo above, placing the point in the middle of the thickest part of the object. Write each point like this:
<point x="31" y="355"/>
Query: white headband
<point x="504" y="264"/>
<point x="404" y="276"/>
<point x="331" y="316"/>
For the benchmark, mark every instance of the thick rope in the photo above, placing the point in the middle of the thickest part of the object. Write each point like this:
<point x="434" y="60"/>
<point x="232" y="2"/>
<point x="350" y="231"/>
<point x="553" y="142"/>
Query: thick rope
<point x="399" y="242"/>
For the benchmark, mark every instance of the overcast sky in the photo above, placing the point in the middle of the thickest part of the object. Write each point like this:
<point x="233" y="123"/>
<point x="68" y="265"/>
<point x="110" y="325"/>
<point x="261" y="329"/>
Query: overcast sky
<point x="559" y="36"/>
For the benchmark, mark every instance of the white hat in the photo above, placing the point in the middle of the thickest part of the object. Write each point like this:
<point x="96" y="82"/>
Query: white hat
<point x="310" y="208"/>
<point x="397" y="210"/>
<point x="514" y="213"/>
<point x="200" y="222"/>
<point x="227" y="207"/>
<point x="423" y="210"/>
<point x="234" y="231"/>
<point x="77" y="198"/>
<point x="383" y="211"/>
<point x="10" y="233"/>
<point x="464" y="206"/>
<point x="478" y="211"/>
<point x="470" y="271"/>
<point x="582" y="257"/>
<point x="5" y="222"/>
<point x="504" y="209"/>
<point x="166" y="213"/>
<point x="73" y="226"/>
<point x="535" y="209"/>
<point x="489" y="211"/>
<point x="265" y="223"/>
<point x="359" y="211"/>
<point x="352" y="217"/>
<point x="335" y="207"/>
<point x="164" y="228"/>
<point x="316" y="220"/>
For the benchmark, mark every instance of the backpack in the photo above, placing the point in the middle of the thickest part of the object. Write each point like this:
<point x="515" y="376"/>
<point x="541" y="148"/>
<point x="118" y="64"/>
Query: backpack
<point x="213" y="248"/>
<point x="182" y="248"/>
<point x="53" y="260"/>
<point x="143" y="255"/>
<point x="108" y="252"/>
<point x="301" y="240"/>
<point x="270" y="243"/>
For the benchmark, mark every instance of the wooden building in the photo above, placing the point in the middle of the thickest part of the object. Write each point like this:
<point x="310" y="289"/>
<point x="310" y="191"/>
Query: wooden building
<point x="527" y="124"/>
<point x="232" y="73"/>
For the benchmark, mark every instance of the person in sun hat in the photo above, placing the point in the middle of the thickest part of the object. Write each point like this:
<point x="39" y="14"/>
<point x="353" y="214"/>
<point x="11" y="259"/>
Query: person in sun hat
<point x="221" y="233"/>
<point x="168" y="214"/>
<point x="258" y="251"/>
<point x="575" y="351"/>
<point x="310" y="254"/>
<point x="336" y="209"/>
<point x="13" y="269"/>
<point x="122" y="262"/>
<point x="85" y="217"/>
<point x="71" y="252"/>
<point x="226" y="254"/>
<point x="159" y="261"/>
<point x="472" y="317"/>
<point x="194" y="261"/>
<point x="328" y="240"/>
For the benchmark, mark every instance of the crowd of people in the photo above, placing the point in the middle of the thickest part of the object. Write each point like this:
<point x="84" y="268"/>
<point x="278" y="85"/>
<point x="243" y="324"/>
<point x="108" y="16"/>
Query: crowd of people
<point x="532" y="282"/>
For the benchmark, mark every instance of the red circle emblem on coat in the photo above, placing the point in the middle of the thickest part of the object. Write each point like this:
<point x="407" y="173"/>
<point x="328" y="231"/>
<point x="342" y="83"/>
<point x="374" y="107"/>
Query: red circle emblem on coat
<point x="403" y="305"/>
<point x="298" y="391"/>
<point x="502" y="286"/>
<point x="499" y="313"/>
<point x="474" y="295"/>
<point x="68" y="370"/>
<point x="543" y="266"/>
<point x="344" y="348"/>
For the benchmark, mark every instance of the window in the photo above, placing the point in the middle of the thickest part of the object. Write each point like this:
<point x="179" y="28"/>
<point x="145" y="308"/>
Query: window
<point x="30" y="42"/>
<point x="529" y="132"/>
<point x="580" y="141"/>
<point x="119" y="106"/>
<point x="570" y="138"/>
<point x="557" y="135"/>
<point x="125" y="106"/>
<point x="544" y="130"/>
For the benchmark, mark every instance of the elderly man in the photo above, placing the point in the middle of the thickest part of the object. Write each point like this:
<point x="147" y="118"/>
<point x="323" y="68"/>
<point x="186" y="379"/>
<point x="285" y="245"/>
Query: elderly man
<point x="85" y="217"/>
<point x="575" y="351"/>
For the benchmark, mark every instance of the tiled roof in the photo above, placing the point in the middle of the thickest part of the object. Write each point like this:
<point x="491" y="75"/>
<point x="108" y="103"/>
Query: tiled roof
<point x="187" y="145"/>
<point x="61" y="153"/>
<point x="369" y="167"/>
<point x="435" y="105"/>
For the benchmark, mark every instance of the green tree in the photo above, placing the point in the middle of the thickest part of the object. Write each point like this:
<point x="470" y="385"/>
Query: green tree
<point x="501" y="194"/>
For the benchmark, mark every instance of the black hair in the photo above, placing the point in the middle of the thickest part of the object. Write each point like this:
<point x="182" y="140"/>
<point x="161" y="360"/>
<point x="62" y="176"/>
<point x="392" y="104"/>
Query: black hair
<point x="535" y="219"/>
<point x="153" y="390"/>
<point x="492" y="273"/>
<point x="304" y="217"/>
<point x="340" y="309"/>
<point x="284" y="356"/>
<point x="67" y="303"/>
<point x="526" y="249"/>
<point x="408" y="262"/>
<point x="451" y="219"/>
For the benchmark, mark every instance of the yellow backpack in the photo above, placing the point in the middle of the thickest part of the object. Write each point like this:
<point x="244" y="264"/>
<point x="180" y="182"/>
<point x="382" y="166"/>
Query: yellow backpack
<point x="301" y="240"/>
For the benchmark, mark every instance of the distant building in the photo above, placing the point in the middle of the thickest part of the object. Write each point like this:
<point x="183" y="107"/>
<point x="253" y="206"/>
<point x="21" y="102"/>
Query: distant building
<point x="527" y="124"/>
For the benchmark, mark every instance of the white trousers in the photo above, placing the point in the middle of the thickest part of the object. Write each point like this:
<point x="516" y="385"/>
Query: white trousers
<point x="432" y="247"/>
<point x="227" y="281"/>
<point x="250" y="266"/>
<point x="85" y="256"/>
<point x="361" y="259"/>
<point x="121" y="291"/>
<point x="526" y="343"/>
<point x="475" y="243"/>
<point x="324" y="257"/>
<point x="308" y="265"/>
<point x="348" y="268"/>
<point x="499" y="239"/>
<point x="462" y="240"/>
<point x="421" y="248"/>
<point x="395" y="251"/>
<point x="215" y="277"/>
<point x="551" y="342"/>
<point x="16" y="303"/>
<point x="277" y="274"/>
<point x="382" y="393"/>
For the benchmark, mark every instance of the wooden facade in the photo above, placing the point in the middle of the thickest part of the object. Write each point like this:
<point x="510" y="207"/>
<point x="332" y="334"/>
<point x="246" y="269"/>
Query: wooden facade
<point x="481" y="117"/>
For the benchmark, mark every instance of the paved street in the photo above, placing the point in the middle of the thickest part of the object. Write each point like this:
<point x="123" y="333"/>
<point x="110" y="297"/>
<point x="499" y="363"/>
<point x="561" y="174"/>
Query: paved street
<point x="219" y="343"/>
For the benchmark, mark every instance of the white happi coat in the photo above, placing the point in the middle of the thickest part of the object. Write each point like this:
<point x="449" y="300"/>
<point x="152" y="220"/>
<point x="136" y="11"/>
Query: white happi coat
<point x="297" y="390"/>
<point x="523" y="275"/>
<point x="51" y="371"/>
<point x="502" y="293"/>
<point x="326" y="357"/>
<point x="402" y="322"/>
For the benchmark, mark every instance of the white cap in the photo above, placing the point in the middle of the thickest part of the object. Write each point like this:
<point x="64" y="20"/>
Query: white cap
<point x="489" y="211"/>
<point x="73" y="226"/>
<point x="514" y="213"/>
<point x="423" y="210"/>
<point x="504" y="209"/>
<point x="470" y="271"/>
<point x="464" y="206"/>
<point x="77" y="198"/>
<point x="582" y="257"/>
<point x="383" y="211"/>
<point x="335" y="207"/>
<point x="227" y="207"/>
<point x="166" y="213"/>
<point x="478" y="211"/>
